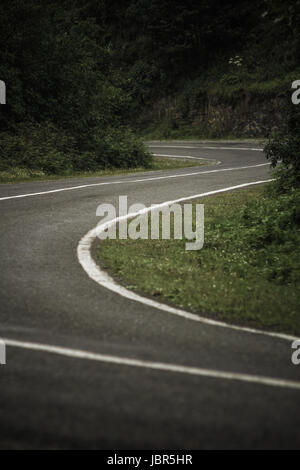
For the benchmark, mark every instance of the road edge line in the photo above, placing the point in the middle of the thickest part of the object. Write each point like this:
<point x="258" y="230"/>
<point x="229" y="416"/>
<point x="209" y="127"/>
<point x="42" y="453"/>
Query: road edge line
<point x="102" y="278"/>
<point x="160" y="366"/>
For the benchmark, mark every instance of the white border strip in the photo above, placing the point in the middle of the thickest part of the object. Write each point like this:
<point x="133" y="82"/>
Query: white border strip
<point x="205" y="148"/>
<point x="142" y="180"/>
<point x="102" y="278"/>
<point x="160" y="366"/>
<point x="234" y="148"/>
<point x="179" y="156"/>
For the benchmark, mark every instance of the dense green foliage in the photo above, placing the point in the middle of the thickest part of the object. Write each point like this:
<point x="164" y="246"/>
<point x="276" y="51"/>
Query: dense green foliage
<point x="65" y="107"/>
<point x="248" y="270"/>
<point x="80" y="73"/>
<point x="283" y="151"/>
<point x="271" y="230"/>
<point x="179" y="58"/>
<point x="162" y="42"/>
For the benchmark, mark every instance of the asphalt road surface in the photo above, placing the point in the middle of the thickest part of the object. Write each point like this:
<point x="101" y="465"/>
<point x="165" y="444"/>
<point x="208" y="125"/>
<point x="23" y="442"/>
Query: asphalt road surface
<point x="52" y="400"/>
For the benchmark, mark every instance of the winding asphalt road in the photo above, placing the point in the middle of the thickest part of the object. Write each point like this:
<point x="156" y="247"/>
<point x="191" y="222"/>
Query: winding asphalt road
<point x="52" y="400"/>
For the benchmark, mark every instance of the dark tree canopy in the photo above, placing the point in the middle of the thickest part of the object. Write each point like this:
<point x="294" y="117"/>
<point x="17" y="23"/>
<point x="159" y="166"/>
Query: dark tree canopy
<point x="86" y="68"/>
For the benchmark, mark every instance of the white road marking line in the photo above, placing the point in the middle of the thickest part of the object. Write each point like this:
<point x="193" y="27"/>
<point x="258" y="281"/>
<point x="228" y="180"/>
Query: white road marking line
<point x="205" y="148"/>
<point x="160" y="366"/>
<point x="234" y="148"/>
<point x="142" y="180"/>
<point x="102" y="278"/>
<point x="178" y="156"/>
<point x="173" y="146"/>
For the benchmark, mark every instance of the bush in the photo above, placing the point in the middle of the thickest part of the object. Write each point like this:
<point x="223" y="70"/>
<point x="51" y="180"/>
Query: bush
<point x="66" y="89"/>
<point x="123" y="150"/>
<point x="283" y="151"/>
<point x="271" y="228"/>
<point x="115" y="149"/>
<point x="49" y="150"/>
<point x="37" y="147"/>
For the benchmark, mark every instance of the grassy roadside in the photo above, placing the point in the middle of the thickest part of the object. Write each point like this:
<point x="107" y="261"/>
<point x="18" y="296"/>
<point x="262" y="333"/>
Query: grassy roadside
<point x="247" y="273"/>
<point x="18" y="175"/>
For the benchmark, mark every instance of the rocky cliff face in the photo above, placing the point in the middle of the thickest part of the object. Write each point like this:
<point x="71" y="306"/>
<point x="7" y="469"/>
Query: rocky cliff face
<point x="216" y="116"/>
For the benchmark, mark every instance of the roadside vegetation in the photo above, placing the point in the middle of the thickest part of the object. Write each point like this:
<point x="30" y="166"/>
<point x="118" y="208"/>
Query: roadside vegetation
<point x="67" y="108"/>
<point x="85" y="77"/>
<point x="248" y="271"/>
<point x="22" y="175"/>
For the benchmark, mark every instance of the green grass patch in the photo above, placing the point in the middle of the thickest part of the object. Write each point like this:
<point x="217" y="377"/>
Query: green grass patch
<point x="22" y="175"/>
<point x="248" y="271"/>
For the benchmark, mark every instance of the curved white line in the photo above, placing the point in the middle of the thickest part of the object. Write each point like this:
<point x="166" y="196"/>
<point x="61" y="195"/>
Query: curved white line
<point x="160" y="366"/>
<point x="142" y="180"/>
<point x="102" y="278"/>
<point x="205" y="148"/>
<point x="180" y="156"/>
<point x="235" y="148"/>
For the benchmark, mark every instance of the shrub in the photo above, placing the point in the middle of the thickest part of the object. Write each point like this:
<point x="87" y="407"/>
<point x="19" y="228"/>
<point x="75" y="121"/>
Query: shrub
<point x="49" y="150"/>
<point x="271" y="229"/>
<point x="283" y="151"/>
<point x="116" y="148"/>
<point x="37" y="147"/>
